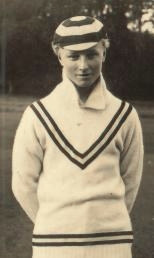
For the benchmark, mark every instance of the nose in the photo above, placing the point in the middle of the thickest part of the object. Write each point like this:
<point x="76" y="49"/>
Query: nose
<point x="83" y="63"/>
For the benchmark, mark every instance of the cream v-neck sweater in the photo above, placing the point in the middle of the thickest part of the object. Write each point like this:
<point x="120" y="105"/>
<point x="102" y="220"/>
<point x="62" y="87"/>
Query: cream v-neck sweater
<point x="76" y="172"/>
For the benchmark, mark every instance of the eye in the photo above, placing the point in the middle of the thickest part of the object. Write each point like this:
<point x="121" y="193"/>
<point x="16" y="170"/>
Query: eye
<point x="92" y="55"/>
<point x="73" y="56"/>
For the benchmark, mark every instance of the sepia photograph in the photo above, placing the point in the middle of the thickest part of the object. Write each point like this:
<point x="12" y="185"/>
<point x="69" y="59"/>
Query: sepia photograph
<point x="77" y="129"/>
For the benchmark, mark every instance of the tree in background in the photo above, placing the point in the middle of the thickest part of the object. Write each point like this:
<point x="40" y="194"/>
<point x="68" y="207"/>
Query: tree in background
<point x="31" y="66"/>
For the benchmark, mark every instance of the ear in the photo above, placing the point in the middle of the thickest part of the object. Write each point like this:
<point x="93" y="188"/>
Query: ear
<point x="104" y="55"/>
<point x="59" y="57"/>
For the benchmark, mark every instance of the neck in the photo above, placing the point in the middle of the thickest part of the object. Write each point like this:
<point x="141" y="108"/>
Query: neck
<point x="84" y="92"/>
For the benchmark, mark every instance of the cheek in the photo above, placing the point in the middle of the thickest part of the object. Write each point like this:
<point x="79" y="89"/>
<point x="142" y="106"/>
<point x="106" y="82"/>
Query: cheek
<point x="98" y="65"/>
<point x="69" y="68"/>
<point x="69" y="65"/>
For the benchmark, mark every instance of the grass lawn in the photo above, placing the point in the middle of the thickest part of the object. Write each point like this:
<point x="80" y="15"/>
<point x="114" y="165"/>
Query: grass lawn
<point x="15" y="227"/>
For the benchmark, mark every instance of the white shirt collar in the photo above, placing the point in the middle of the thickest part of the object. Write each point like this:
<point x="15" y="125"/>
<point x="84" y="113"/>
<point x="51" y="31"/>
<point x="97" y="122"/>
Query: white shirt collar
<point x="96" y="99"/>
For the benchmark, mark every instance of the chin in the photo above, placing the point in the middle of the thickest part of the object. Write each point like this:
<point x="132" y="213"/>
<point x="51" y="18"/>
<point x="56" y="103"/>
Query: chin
<point x="83" y="85"/>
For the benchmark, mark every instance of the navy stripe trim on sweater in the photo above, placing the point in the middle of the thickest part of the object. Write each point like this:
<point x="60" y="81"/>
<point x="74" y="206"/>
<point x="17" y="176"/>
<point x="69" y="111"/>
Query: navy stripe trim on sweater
<point x="106" y="242"/>
<point x="68" y="144"/>
<point x="53" y="137"/>
<point x="119" y="233"/>
<point x="82" y="239"/>
<point x="110" y="138"/>
<point x="83" y="163"/>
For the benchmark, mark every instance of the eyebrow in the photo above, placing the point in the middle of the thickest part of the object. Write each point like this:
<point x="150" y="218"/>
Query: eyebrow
<point x="87" y="51"/>
<point x="73" y="52"/>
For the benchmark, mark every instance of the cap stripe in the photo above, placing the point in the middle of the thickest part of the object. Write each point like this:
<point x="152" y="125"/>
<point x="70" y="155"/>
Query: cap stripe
<point x="79" y="30"/>
<point x="95" y="26"/>
<point x="81" y="22"/>
<point x="77" y="39"/>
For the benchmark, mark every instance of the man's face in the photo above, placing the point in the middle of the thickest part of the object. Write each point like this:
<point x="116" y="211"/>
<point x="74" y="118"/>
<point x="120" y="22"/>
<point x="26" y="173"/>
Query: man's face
<point x="82" y="67"/>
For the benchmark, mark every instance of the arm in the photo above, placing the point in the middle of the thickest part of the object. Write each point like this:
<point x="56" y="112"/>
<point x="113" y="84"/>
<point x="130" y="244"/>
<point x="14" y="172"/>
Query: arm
<point x="26" y="165"/>
<point x="131" y="164"/>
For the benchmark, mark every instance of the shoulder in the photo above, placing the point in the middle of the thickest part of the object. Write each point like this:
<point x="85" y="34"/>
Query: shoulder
<point x="56" y="93"/>
<point x="26" y="124"/>
<point x="48" y="101"/>
<point x="129" y="110"/>
<point x="53" y="99"/>
<point x="127" y="114"/>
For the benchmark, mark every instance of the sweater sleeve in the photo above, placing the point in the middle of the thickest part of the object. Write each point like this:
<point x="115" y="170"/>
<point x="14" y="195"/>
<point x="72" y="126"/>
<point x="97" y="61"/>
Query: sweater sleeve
<point x="131" y="163"/>
<point x="26" y="164"/>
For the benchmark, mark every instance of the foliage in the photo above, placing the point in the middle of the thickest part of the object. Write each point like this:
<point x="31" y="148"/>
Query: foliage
<point x="26" y="28"/>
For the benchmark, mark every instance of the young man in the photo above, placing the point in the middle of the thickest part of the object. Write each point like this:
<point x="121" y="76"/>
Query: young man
<point x="77" y="157"/>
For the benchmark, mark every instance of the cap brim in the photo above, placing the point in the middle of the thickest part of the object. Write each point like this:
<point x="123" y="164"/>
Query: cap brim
<point x="81" y="46"/>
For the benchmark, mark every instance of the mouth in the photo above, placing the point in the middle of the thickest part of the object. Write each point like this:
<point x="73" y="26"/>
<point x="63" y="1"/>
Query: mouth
<point x="83" y="75"/>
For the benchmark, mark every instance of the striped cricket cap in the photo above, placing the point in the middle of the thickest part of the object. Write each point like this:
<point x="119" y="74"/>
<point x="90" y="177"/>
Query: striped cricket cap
<point x="79" y="33"/>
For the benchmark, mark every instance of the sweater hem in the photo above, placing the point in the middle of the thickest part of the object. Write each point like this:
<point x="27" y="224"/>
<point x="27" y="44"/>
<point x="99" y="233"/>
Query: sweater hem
<point x="99" y="251"/>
